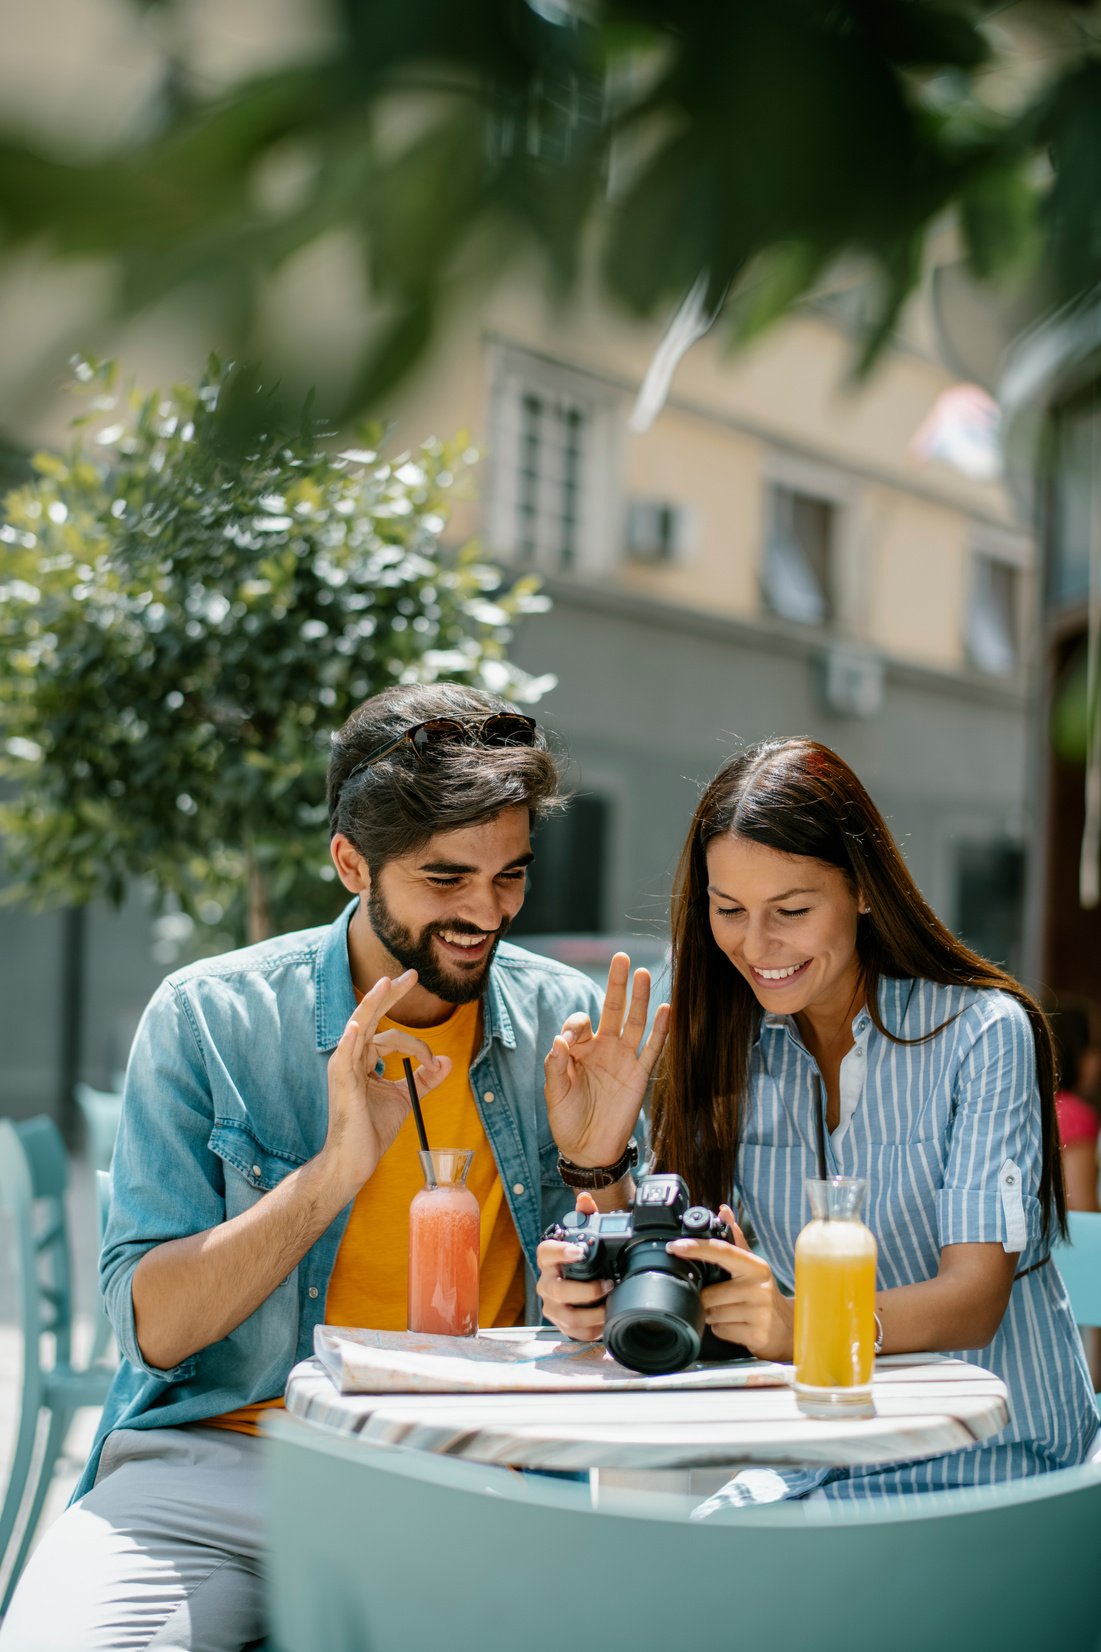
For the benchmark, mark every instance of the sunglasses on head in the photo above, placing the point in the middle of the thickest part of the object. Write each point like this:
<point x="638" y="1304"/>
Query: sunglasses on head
<point x="503" y="728"/>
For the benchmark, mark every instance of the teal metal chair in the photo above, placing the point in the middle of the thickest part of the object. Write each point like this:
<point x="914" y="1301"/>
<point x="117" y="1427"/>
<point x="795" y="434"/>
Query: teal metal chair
<point x="99" y="1112"/>
<point x="384" y="1550"/>
<point x="33" y="1180"/>
<point x="1079" y="1262"/>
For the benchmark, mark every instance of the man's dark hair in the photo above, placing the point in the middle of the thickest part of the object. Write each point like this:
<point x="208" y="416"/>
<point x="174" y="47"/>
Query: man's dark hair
<point x="396" y="805"/>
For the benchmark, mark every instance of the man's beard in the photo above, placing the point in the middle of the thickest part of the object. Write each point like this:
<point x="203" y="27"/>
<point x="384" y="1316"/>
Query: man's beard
<point x="416" y="951"/>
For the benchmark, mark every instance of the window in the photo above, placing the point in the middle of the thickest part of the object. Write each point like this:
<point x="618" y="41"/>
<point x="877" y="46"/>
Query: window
<point x="993" y="616"/>
<point x="548" y="504"/>
<point x="1076" y="518"/>
<point x="560" y="114"/>
<point x="552" y="465"/>
<point x="990" y="891"/>
<point x="566" y="885"/>
<point x="657" y="531"/>
<point x="798" y="575"/>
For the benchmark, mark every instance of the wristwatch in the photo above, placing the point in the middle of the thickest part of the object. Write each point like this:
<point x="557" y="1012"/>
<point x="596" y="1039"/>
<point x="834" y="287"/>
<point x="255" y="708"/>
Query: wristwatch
<point x="598" y="1175"/>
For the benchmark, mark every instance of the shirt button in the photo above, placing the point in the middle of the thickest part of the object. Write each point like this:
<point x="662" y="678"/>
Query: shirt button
<point x="1010" y="1180"/>
<point x="859" y="1052"/>
<point x="256" y="1171"/>
<point x="313" y="1292"/>
<point x="518" y="1187"/>
<point x="489" y="1095"/>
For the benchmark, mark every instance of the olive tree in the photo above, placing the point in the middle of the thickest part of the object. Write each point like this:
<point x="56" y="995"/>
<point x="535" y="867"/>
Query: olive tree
<point x="192" y="598"/>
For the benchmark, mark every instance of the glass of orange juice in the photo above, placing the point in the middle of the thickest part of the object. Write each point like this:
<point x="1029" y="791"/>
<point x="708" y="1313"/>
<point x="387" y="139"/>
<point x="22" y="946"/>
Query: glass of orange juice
<point x="835" y="1258"/>
<point x="444" y="1243"/>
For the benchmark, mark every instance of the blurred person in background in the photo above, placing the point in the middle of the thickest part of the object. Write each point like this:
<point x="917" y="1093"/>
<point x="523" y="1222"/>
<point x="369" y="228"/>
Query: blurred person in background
<point x="1078" y="1064"/>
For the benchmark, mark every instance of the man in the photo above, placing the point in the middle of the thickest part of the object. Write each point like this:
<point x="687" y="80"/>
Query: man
<point x="266" y="1159"/>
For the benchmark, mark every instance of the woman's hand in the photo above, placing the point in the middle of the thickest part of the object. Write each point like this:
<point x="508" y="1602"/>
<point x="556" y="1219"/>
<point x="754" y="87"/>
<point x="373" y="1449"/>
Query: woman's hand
<point x="749" y="1307"/>
<point x="596" y="1081"/>
<point x="576" y="1306"/>
<point x="365" y="1110"/>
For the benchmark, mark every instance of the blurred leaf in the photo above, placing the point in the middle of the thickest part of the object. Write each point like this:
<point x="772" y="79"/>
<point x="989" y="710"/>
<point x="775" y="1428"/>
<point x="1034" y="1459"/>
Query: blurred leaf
<point x="1068" y="119"/>
<point x="925" y="36"/>
<point x="998" y="211"/>
<point x="782" y="276"/>
<point x="735" y="133"/>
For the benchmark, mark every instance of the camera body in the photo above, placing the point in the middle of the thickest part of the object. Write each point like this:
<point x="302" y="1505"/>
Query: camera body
<point x="654" y="1321"/>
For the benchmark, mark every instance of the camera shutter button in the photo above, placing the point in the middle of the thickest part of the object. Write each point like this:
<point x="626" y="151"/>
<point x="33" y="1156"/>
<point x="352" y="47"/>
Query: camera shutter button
<point x="696" y="1220"/>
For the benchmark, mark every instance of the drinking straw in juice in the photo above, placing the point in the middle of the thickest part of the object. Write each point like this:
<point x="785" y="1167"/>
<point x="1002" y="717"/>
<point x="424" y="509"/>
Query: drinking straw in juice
<point x="444" y="1240"/>
<point x="835" y="1260"/>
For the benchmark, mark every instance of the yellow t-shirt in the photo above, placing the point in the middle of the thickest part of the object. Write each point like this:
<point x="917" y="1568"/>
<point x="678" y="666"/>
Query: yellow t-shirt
<point x="369" y="1280"/>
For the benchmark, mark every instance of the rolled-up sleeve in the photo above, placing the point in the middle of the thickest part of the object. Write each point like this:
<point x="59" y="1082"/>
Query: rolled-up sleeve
<point x="166" y="1183"/>
<point x="992" y="1176"/>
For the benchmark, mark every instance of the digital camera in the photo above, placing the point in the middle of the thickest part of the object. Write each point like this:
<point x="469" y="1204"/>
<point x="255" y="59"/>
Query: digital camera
<point x="654" y="1317"/>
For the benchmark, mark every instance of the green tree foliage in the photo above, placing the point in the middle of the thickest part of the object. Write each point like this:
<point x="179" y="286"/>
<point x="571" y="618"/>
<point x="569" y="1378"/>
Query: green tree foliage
<point x="191" y="599"/>
<point x="758" y="141"/>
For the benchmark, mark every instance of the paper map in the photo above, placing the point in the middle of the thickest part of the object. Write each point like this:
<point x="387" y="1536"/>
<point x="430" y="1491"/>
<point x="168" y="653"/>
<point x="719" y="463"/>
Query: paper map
<point x="406" y="1362"/>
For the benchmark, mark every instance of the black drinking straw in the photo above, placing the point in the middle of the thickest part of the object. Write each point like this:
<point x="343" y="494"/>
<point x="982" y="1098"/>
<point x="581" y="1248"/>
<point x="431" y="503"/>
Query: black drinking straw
<point x="415" y="1099"/>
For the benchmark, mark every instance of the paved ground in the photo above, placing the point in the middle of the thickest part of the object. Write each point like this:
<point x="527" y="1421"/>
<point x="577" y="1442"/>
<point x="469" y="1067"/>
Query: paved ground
<point x="83" y="1228"/>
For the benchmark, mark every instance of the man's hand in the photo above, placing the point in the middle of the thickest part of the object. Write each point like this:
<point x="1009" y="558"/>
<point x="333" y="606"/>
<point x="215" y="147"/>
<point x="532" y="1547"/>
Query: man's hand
<point x="595" y="1082"/>
<point x="193" y="1291"/>
<point x="749" y="1307"/>
<point x="365" y="1110"/>
<point x="576" y="1306"/>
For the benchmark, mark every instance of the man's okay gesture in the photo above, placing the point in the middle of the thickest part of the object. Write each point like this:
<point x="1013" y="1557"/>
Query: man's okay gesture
<point x="596" y="1081"/>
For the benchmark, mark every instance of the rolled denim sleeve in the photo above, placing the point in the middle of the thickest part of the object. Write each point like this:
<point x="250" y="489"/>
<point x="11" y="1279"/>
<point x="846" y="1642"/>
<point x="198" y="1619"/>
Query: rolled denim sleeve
<point x="165" y="1181"/>
<point x="992" y="1176"/>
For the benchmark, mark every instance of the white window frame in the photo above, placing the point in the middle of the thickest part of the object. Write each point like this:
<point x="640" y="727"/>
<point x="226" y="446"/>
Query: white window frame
<point x="1014" y="553"/>
<point x="514" y="374"/>
<point x="817" y="480"/>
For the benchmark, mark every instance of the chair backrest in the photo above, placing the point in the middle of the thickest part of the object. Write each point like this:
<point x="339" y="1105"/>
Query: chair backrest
<point x="99" y="1109"/>
<point x="1079" y="1262"/>
<point x="392" y="1549"/>
<point x="33" y="1179"/>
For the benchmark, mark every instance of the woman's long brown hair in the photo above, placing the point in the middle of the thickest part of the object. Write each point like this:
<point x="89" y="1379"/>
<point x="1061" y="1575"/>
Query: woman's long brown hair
<point x="800" y="798"/>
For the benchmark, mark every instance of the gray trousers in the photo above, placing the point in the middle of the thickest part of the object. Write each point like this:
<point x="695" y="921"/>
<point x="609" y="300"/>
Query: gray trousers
<point x="162" y="1555"/>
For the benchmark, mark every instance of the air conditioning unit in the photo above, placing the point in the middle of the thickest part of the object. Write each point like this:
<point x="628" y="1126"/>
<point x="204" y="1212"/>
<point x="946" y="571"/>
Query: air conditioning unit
<point x="854" y="681"/>
<point x="657" y="531"/>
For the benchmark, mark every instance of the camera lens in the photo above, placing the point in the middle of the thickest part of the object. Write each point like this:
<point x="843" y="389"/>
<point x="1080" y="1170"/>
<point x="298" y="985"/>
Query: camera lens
<point x="654" y="1321"/>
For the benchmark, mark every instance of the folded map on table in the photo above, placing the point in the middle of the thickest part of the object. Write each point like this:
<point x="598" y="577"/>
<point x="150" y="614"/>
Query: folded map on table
<point x="407" y="1362"/>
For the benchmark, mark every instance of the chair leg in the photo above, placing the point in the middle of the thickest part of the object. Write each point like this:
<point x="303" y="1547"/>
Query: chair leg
<point x="22" y="1460"/>
<point x="47" y="1461"/>
<point x="101" y="1340"/>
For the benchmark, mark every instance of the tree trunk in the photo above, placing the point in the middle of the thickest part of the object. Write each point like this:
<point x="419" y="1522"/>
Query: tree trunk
<point x="259" y="913"/>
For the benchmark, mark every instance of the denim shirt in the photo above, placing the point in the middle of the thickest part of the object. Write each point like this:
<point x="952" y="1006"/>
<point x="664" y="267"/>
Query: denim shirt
<point x="226" y="1093"/>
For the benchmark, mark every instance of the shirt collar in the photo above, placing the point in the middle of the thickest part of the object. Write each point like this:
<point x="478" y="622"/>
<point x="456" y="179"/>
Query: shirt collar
<point x="334" y="993"/>
<point x="892" y="1001"/>
<point x="336" y="998"/>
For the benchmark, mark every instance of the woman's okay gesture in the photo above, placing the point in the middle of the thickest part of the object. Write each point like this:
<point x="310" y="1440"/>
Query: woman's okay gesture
<point x="595" y="1082"/>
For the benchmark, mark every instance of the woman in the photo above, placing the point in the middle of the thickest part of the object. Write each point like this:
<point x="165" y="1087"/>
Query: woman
<point x="824" y="1021"/>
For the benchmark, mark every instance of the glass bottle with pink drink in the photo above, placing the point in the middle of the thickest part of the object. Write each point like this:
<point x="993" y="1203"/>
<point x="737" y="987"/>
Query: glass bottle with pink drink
<point x="444" y="1243"/>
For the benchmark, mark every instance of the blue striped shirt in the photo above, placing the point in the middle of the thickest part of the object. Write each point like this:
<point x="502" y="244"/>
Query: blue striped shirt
<point x="947" y="1136"/>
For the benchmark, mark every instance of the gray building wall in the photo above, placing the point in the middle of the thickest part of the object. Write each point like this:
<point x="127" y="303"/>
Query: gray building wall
<point x="649" y="701"/>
